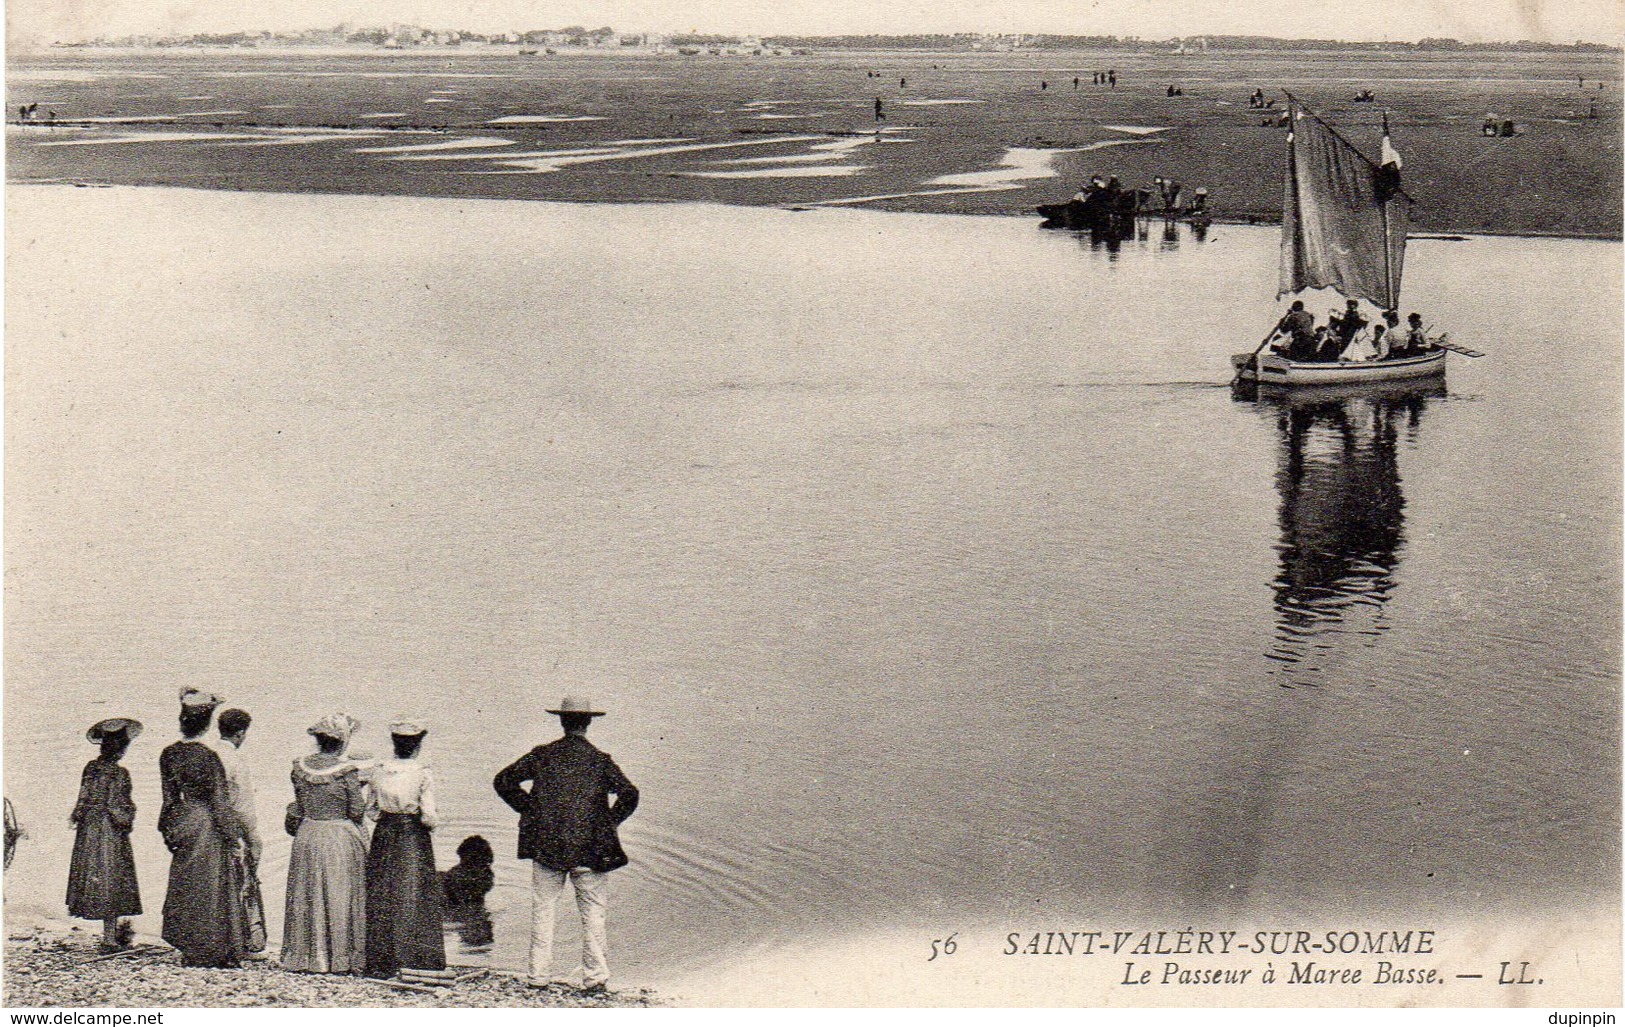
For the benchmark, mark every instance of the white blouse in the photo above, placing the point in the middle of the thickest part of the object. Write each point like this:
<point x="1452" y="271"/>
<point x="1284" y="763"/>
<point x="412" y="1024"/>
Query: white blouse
<point x="402" y="786"/>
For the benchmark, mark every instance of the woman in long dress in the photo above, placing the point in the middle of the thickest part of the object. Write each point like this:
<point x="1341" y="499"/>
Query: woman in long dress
<point x="101" y="878"/>
<point x="324" y="930"/>
<point x="203" y="910"/>
<point x="405" y="908"/>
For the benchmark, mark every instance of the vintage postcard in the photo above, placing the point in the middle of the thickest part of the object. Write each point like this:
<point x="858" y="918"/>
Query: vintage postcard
<point x="738" y="505"/>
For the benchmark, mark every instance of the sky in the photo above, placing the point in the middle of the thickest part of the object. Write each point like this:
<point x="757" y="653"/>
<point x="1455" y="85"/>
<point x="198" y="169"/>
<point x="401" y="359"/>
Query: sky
<point x="1562" y="21"/>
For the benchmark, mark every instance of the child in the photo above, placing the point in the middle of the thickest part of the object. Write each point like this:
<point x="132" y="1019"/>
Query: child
<point x="101" y="878"/>
<point x="466" y="883"/>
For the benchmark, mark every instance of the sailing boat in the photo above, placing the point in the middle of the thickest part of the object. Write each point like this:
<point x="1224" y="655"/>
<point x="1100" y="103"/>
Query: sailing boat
<point x="1343" y="226"/>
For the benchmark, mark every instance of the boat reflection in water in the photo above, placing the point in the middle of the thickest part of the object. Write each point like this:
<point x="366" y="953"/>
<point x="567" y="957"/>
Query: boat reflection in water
<point x="1144" y="233"/>
<point x="1342" y="518"/>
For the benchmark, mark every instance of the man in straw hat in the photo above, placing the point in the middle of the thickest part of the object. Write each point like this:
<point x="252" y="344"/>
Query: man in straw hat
<point x="567" y="828"/>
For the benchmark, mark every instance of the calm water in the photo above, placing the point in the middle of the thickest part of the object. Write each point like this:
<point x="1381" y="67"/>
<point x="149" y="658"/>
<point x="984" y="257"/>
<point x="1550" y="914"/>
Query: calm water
<point x="929" y="571"/>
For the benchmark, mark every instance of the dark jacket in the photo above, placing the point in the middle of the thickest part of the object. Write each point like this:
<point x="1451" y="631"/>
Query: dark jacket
<point x="565" y="819"/>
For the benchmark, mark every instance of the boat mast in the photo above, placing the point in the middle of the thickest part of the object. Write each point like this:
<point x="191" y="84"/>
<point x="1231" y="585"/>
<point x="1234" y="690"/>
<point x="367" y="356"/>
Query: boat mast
<point x="1290" y="225"/>
<point x="1388" y="241"/>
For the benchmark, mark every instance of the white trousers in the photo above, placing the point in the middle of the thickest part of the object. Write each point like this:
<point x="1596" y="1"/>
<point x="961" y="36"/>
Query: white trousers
<point x="591" y="892"/>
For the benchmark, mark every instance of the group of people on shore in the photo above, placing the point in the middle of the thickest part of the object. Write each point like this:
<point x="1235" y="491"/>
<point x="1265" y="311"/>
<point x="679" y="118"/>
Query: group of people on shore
<point x="1344" y="336"/>
<point x="356" y="903"/>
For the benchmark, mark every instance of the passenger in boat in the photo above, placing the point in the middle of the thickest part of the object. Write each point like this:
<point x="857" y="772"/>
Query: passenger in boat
<point x="1302" y="348"/>
<point x="1379" y="342"/>
<point x="1349" y="325"/>
<point x="1416" y="338"/>
<point x="1358" y="349"/>
<point x="1389" y="333"/>
<point x="1327" y="345"/>
<point x="1090" y="193"/>
<point x="1298" y="326"/>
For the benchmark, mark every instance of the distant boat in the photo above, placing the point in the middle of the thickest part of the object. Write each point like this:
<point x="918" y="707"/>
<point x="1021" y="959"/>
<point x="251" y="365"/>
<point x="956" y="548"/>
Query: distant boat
<point x="1343" y="226"/>
<point x="529" y="53"/>
<point x="1097" y="209"/>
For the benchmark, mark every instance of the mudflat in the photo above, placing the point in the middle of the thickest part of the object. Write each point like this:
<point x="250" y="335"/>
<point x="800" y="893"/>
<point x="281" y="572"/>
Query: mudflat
<point x="993" y="133"/>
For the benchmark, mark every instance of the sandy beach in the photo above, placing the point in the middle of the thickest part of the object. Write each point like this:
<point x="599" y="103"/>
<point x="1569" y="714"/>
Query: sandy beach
<point x="966" y="133"/>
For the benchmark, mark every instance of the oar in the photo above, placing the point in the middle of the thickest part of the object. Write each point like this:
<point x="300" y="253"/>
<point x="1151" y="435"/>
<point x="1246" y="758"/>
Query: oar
<point x="1452" y="347"/>
<point x="1443" y="342"/>
<point x="1254" y="358"/>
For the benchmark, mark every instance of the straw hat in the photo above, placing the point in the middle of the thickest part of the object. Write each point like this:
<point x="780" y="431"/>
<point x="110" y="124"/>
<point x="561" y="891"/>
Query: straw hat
<point x="113" y="725"/>
<point x="194" y="698"/>
<point x="577" y="704"/>
<point x="408" y="728"/>
<point x="335" y="725"/>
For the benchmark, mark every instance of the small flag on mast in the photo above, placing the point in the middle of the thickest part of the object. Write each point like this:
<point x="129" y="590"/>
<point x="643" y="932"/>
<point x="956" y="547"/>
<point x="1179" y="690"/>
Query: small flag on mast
<point x="1387" y="174"/>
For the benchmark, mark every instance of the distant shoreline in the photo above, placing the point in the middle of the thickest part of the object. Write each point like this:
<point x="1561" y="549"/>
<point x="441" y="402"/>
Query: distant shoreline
<point x="408" y="39"/>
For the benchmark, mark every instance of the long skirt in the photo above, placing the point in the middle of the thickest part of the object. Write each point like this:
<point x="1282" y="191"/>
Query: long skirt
<point x="203" y="910"/>
<point x="325" y="928"/>
<point x="101" y="877"/>
<point x="404" y="903"/>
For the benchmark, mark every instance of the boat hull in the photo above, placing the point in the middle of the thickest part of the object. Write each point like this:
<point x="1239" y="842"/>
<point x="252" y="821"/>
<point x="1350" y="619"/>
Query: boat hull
<point x="1274" y="369"/>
